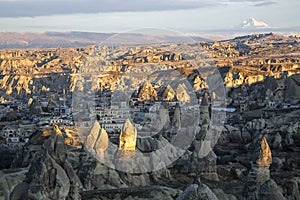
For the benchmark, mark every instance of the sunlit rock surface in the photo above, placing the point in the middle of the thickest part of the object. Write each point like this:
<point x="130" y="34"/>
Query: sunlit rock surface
<point x="148" y="92"/>
<point x="128" y="137"/>
<point x="168" y="94"/>
<point x="265" y="156"/>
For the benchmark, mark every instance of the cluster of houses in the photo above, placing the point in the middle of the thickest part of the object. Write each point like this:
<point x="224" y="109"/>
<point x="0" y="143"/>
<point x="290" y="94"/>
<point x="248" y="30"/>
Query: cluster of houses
<point x="50" y="109"/>
<point x="19" y="120"/>
<point x="15" y="136"/>
<point x="113" y="114"/>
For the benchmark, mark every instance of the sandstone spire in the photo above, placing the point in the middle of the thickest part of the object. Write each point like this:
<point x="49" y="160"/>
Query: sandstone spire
<point x="168" y="94"/>
<point x="148" y="92"/>
<point x="197" y="82"/>
<point x="128" y="137"/>
<point x="102" y="142"/>
<point x="176" y="122"/>
<point x="57" y="130"/>
<point x="97" y="140"/>
<point x="265" y="155"/>
<point x="205" y="100"/>
<point x="182" y="94"/>
<point x="29" y="101"/>
<point x="92" y="136"/>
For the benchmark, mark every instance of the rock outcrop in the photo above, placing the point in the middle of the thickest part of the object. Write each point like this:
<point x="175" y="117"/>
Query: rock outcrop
<point x="265" y="156"/>
<point x="147" y="92"/>
<point x="176" y="121"/>
<point x="168" y="94"/>
<point x="182" y="94"/>
<point x="8" y="181"/>
<point x="204" y="161"/>
<point x="101" y="144"/>
<point x="204" y="116"/>
<point x="50" y="175"/>
<point x="270" y="190"/>
<point x="128" y="137"/>
<point x="35" y="106"/>
<point x="199" y="84"/>
<point x="92" y="136"/>
<point x="97" y="140"/>
<point x="194" y="192"/>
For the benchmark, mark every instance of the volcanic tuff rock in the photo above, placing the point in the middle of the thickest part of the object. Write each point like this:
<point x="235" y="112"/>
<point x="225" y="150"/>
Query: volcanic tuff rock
<point x="9" y="180"/>
<point x="292" y="85"/>
<point x="168" y="94"/>
<point x="265" y="156"/>
<point x="50" y="174"/>
<point x="147" y="92"/>
<point x="205" y="101"/>
<point x="270" y="190"/>
<point x="176" y="121"/>
<point x="92" y="136"/>
<point x="128" y="137"/>
<point x="102" y="142"/>
<point x="36" y="106"/>
<point x="97" y="140"/>
<point x="199" y="83"/>
<point x="182" y="94"/>
<point x="203" y="160"/>
<point x="191" y="192"/>
<point x="197" y="191"/>
<point x="260" y="72"/>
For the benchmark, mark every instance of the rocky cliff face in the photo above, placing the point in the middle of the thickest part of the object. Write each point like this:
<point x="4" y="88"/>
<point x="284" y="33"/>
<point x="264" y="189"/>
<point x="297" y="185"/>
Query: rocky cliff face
<point x="50" y="175"/>
<point x="240" y="166"/>
<point x="26" y="72"/>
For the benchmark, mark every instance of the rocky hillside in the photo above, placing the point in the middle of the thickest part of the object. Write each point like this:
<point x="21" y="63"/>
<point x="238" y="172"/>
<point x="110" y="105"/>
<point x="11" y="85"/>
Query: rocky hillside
<point x="201" y="120"/>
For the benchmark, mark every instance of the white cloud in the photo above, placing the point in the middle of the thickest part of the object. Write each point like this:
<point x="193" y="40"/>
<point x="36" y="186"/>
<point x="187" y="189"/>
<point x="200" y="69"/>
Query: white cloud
<point x="31" y="8"/>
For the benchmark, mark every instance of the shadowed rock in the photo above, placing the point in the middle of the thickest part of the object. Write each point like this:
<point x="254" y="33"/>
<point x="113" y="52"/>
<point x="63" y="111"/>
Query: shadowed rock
<point x="270" y="190"/>
<point x="92" y="136"/>
<point x="97" y="140"/>
<point x="20" y="191"/>
<point x="101" y="144"/>
<point x="176" y="122"/>
<point x="60" y="148"/>
<point x="50" y="175"/>
<point x="182" y="95"/>
<point x="35" y="106"/>
<point x="204" y="101"/>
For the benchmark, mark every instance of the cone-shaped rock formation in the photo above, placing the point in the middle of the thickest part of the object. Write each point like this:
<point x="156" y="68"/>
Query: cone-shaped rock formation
<point x="128" y="137"/>
<point x="265" y="156"/>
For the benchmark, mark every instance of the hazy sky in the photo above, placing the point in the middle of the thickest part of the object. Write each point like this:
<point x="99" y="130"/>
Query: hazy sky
<point x="188" y="16"/>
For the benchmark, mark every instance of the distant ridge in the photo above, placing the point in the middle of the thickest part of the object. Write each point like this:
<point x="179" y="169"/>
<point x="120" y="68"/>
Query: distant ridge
<point x="79" y="39"/>
<point x="263" y="38"/>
